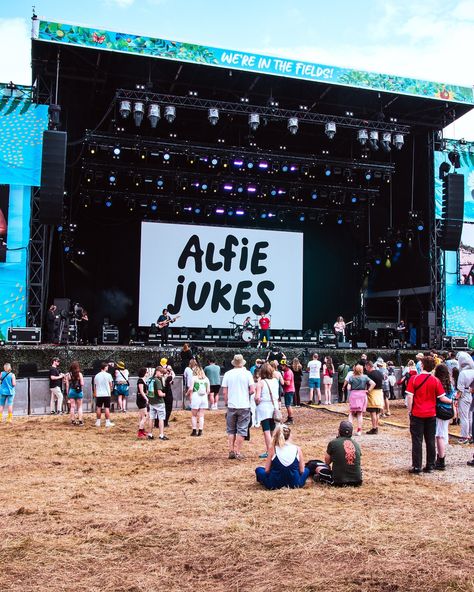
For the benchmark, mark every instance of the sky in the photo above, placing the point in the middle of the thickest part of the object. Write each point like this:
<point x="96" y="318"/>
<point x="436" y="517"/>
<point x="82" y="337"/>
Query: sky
<point x="427" y="39"/>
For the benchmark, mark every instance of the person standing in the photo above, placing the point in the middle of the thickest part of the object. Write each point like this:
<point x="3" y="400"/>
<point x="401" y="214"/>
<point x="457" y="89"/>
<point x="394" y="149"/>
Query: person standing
<point x="213" y="373"/>
<point x="7" y="391"/>
<point x="442" y="425"/>
<point x="51" y="324"/>
<point x="342" y="371"/>
<point x="55" y="382"/>
<point x="360" y="386"/>
<point x="266" y="402"/>
<point x="422" y="392"/>
<point x="163" y="323"/>
<point x="142" y="403"/>
<point x="297" y="369"/>
<point x="237" y="387"/>
<point x="102" y="386"/>
<point x="340" y="329"/>
<point x="328" y="373"/>
<point x="314" y="369"/>
<point x="122" y="386"/>
<point x="288" y="392"/>
<point x="264" y="333"/>
<point x="74" y="388"/>
<point x="199" y="400"/>
<point x="168" y="379"/>
<point x="374" y="396"/>
<point x="156" y="397"/>
<point x="188" y="380"/>
<point x="464" y="396"/>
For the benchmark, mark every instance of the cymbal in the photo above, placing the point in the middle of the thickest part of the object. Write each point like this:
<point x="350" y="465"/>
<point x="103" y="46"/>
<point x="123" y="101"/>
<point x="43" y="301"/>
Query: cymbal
<point x="232" y="323"/>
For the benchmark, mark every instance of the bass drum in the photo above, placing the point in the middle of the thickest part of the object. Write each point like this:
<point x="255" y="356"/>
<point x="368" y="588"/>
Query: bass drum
<point x="247" y="335"/>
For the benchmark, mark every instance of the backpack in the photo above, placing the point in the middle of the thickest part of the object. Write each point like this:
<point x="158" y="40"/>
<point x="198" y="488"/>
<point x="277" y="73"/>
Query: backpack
<point x="151" y="388"/>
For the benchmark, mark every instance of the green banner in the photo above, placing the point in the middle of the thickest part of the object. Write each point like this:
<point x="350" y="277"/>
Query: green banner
<point x="250" y="62"/>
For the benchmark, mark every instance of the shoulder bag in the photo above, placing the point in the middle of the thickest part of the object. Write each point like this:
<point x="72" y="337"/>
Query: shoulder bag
<point x="276" y="411"/>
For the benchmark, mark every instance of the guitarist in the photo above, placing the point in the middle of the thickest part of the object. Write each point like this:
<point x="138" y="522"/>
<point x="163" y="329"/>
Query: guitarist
<point x="163" y="323"/>
<point x="340" y="329"/>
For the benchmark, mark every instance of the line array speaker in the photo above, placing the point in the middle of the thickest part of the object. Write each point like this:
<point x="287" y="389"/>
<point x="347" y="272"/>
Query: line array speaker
<point x="53" y="167"/>
<point x="452" y="214"/>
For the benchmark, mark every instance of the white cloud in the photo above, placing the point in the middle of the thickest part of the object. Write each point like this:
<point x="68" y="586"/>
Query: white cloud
<point x="120" y="3"/>
<point x="15" y="60"/>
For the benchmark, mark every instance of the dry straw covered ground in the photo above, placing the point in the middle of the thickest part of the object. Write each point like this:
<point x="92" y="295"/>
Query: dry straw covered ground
<point x="83" y="509"/>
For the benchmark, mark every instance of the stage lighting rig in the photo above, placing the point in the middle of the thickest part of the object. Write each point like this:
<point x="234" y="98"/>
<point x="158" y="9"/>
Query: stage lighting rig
<point x="362" y="136"/>
<point x="254" y="121"/>
<point x="213" y="116"/>
<point x="138" y="112"/>
<point x="454" y="159"/>
<point x="170" y="113"/>
<point x="444" y="169"/>
<point x="154" y="114"/>
<point x="374" y="139"/>
<point x="330" y="129"/>
<point x="293" y="125"/>
<point x="386" y="141"/>
<point x="398" y="141"/>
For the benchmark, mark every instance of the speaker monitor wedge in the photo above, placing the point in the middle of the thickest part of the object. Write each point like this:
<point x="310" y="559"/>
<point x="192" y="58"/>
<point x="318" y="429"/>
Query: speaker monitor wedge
<point x="53" y="166"/>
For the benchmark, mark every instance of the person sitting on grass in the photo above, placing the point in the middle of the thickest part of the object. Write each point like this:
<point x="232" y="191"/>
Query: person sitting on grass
<point x="343" y="453"/>
<point x="285" y="465"/>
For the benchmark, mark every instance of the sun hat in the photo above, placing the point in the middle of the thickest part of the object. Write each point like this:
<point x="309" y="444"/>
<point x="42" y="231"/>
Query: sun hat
<point x="121" y="365"/>
<point x="238" y="361"/>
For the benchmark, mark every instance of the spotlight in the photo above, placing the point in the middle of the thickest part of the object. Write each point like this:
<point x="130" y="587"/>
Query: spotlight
<point x="314" y="195"/>
<point x="197" y="210"/>
<point x="93" y="148"/>
<point x="254" y="121"/>
<point x="227" y="187"/>
<point x="285" y="168"/>
<point x="368" y="175"/>
<point x="220" y="211"/>
<point x="153" y="206"/>
<point x="166" y="156"/>
<point x="444" y="169"/>
<point x="239" y="212"/>
<point x="116" y="151"/>
<point x="108" y="202"/>
<point x="386" y="141"/>
<point x="67" y="249"/>
<point x="170" y="113"/>
<point x="214" y="161"/>
<point x="378" y="261"/>
<point x="340" y="220"/>
<point x="160" y="182"/>
<point x="263" y="165"/>
<point x="328" y="171"/>
<point x="252" y="189"/>
<point x="230" y="212"/>
<point x="293" y="125"/>
<point x="213" y="116"/>
<point x="238" y="162"/>
<point x="112" y="178"/>
<point x="420" y="225"/>
<point x="250" y="165"/>
<point x="138" y="113"/>
<point x="125" y="109"/>
<point x="154" y="114"/>
<point x="301" y="218"/>
<point x="374" y="139"/>
<point x="454" y="159"/>
<point x="354" y="199"/>
<point x="399" y="243"/>
<point x="398" y="141"/>
<point x="60" y="229"/>
<point x="363" y="136"/>
<point x="330" y="129"/>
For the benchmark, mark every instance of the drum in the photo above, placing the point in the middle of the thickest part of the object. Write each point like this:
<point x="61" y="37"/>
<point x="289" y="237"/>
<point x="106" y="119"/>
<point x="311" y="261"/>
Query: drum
<point x="247" y="335"/>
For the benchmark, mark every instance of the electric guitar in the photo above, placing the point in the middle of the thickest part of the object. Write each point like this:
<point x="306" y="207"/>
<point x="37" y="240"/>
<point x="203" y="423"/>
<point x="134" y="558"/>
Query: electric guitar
<point x="162" y="324"/>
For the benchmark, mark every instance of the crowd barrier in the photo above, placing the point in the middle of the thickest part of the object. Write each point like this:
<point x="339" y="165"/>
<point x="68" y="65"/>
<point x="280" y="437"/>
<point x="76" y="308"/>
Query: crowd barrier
<point x="33" y="394"/>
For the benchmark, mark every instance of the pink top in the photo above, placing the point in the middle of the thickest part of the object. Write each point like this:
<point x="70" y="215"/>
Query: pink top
<point x="288" y="375"/>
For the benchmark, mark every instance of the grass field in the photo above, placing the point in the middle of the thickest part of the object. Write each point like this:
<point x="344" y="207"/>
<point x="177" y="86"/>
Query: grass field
<point x="83" y="509"/>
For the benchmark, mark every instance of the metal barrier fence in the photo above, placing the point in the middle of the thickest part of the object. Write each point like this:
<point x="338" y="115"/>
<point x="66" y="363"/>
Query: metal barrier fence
<point x="33" y="394"/>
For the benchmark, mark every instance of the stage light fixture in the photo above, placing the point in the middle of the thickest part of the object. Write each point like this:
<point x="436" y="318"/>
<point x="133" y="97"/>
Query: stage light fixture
<point x="386" y="141"/>
<point x="368" y="175"/>
<point x="67" y="248"/>
<point x="166" y="156"/>
<point x="293" y="125"/>
<point x="238" y="163"/>
<point x="273" y="192"/>
<point x="160" y="182"/>
<point x="204" y="186"/>
<point x="362" y="136"/>
<point x="340" y="220"/>
<point x="138" y="112"/>
<point x="112" y="178"/>
<point x="314" y="195"/>
<point x="374" y="140"/>
<point x="354" y="199"/>
<point x="131" y="205"/>
<point x="213" y="116"/>
<point x="328" y="171"/>
<point x="197" y="210"/>
<point x="225" y="163"/>
<point x="271" y="215"/>
<point x="219" y="211"/>
<point x="116" y="151"/>
<point x="214" y="161"/>
<point x="281" y="216"/>
<point x="454" y="159"/>
<point x="137" y="180"/>
<point x="302" y="218"/>
<point x="60" y="228"/>
<point x="399" y="243"/>
<point x="230" y="212"/>
<point x="263" y="215"/>
<point x="263" y="165"/>
<point x="285" y="168"/>
<point x="108" y="202"/>
<point x="444" y="169"/>
<point x="378" y="261"/>
<point x="170" y="113"/>
<point x="251" y="189"/>
<point x="228" y="187"/>
<point x="420" y="226"/>
<point x="240" y="189"/>
<point x="125" y="109"/>
<point x="250" y="165"/>
<point x="254" y="121"/>
<point x="239" y="212"/>
<point x="398" y="141"/>
<point x="153" y="206"/>
<point x="387" y="178"/>
<point x="154" y="114"/>
<point x="93" y="148"/>
<point x="330" y="129"/>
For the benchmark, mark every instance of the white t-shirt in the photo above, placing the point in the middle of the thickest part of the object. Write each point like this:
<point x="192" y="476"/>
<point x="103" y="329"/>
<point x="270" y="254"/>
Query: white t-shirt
<point x="101" y="383"/>
<point x="121" y="376"/>
<point x="238" y="381"/>
<point x="314" y="369"/>
<point x="188" y="377"/>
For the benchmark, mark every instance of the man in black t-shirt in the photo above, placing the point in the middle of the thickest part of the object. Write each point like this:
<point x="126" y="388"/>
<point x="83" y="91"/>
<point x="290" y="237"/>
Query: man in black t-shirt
<point x="375" y="396"/>
<point x="55" y="382"/>
<point x="163" y="323"/>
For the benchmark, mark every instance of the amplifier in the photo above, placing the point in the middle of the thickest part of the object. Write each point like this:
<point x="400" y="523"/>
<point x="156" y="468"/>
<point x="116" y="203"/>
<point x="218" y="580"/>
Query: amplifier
<point x="459" y="343"/>
<point x="24" y="334"/>
<point x="344" y="345"/>
<point x="110" y="335"/>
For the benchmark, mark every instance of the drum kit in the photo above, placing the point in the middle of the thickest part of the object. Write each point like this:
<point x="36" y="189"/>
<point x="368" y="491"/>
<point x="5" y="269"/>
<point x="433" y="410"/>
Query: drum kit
<point x="246" y="333"/>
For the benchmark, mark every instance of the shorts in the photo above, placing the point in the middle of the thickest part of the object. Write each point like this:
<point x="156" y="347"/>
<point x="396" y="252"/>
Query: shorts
<point x="141" y="403"/>
<point x="386" y="394"/>
<point x="6" y="400"/>
<point x="237" y="421"/>
<point x="268" y="425"/>
<point x="158" y="411"/>
<point x="102" y="402"/>
<point x="215" y="388"/>
<point x="76" y="395"/>
<point x="374" y="410"/>
<point x="442" y="426"/>
<point x="122" y="389"/>
<point x="314" y="383"/>
<point x="289" y="399"/>
<point x="327" y="380"/>
<point x="199" y="401"/>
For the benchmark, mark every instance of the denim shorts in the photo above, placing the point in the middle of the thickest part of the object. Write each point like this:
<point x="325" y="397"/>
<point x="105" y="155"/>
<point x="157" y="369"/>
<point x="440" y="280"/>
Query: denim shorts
<point x="289" y="399"/>
<point x="73" y="394"/>
<point x="314" y="382"/>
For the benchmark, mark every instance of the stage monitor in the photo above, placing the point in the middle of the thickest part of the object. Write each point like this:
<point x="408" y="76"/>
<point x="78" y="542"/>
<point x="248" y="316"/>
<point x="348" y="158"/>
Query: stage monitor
<point x="466" y="255"/>
<point x="211" y="275"/>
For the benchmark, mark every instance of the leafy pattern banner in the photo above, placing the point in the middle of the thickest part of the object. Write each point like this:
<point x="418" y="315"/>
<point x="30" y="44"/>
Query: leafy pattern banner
<point x="200" y="54"/>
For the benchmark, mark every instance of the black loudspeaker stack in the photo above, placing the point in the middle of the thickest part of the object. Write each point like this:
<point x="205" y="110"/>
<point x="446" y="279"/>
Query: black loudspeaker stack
<point x="53" y="167"/>
<point x="452" y="214"/>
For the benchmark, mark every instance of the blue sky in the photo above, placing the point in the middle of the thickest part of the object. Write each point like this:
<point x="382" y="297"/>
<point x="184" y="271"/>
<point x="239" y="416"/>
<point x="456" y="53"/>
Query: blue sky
<point x="405" y="37"/>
